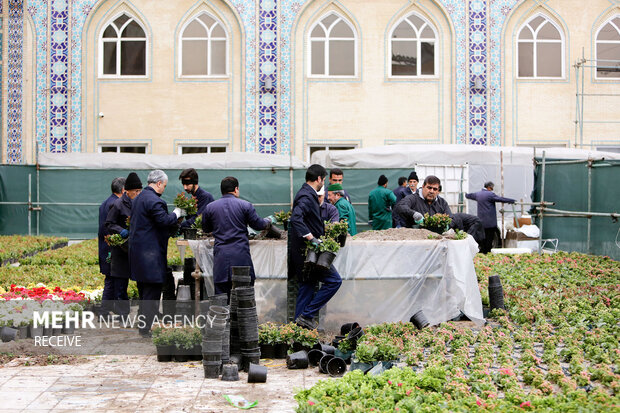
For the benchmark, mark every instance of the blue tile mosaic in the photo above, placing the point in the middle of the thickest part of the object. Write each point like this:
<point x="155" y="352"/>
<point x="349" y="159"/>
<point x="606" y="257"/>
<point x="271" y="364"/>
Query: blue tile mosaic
<point x="15" y="62"/>
<point x="267" y="76"/>
<point x="58" y="91"/>
<point x="477" y="13"/>
<point x="38" y="11"/>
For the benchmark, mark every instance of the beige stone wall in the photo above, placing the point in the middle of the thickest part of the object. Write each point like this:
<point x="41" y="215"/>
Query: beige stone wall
<point x="163" y="110"/>
<point x="372" y="108"/>
<point x="543" y="111"/>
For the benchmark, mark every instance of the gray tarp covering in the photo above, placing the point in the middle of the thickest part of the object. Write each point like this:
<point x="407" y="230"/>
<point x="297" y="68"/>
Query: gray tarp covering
<point x="228" y="160"/>
<point x="383" y="280"/>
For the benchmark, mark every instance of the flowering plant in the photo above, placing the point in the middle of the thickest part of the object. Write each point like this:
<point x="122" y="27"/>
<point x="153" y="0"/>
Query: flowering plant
<point x="188" y="204"/>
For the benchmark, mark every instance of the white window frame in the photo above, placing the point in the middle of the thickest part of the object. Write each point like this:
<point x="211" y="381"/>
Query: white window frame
<point x="208" y="147"/>
<point x="119" y="146"/>
<point x="596" y="42"/>
<point x="419" y="41"/>
<point x="118" y="48"/>
<point x="208" y="39"/>
<point x="326" y="40"/>
<point x="330" y="146"/>
<point x="535" y="41"/>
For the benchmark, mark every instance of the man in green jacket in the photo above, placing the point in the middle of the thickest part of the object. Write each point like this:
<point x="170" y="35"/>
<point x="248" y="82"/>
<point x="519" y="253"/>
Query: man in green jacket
<point x="335" y="194"/>
<point x="380" y="202"/>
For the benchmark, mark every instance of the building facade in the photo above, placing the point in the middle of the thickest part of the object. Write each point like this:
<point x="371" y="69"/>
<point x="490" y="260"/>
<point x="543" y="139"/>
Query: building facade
<point x="281" y="76"/>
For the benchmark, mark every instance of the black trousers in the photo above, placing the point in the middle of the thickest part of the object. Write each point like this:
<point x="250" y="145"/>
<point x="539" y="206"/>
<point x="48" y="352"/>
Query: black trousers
<point x="489" y="236"/>
<point x="121" y="300"/>
<point x="150" y="293"/>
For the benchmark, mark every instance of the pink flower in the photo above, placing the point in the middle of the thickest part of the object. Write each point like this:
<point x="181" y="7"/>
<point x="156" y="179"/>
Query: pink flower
<point x="478" y="402"/>
<point x="526" y="404"/>
<point x="310" y="402"/>
<point x="400" y="385"/>
<point x="408" y="392"/>
<point x="389" y="381"/>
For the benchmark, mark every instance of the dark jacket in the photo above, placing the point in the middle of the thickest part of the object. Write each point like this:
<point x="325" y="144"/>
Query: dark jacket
<point x="104" y="248"/>
<point x="115" y="223"/>
<point x="203" y="198"/>
<point x="306" y="218"/>
<point x="149" y="231"/>
<point x="486" y="206"/>
<point x="228" y="219"/>
<point x="401" y="192"/>
<point x="468" y="223"/>
<point x="329" y="212"/>
<point x="415" y="203"/>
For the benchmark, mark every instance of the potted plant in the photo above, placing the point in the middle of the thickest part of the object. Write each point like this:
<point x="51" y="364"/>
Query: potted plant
<point x="188" y="204"/>
<point x="283" y="218"/>
<point x="438" y="223"/>
<point x="268" y="336"/>
<point x="337" y="230"/>
<point x="328" y="249"/>
<point x="304" y="339"/>
<point x="185" y="339"/>
<point x="192" y="232"/>
<point x="163" y="338"/>
<point x="312" y="255"/>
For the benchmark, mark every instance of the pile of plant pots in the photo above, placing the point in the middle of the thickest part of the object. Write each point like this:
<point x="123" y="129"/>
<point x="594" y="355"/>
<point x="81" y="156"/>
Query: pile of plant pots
<point x="212" y="342"/>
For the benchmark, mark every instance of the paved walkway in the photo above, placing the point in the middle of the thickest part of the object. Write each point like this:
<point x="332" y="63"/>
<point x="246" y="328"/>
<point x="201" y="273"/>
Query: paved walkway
<point x="140" y="383"/>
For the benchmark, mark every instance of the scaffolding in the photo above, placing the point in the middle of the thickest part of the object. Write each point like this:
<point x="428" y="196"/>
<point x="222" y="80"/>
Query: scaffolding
<point x="581" y="66"/>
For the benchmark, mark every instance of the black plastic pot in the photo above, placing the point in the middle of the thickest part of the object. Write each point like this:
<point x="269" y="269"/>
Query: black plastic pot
<point x="241" y="277"/>
<point x="68" y="330"/>
<point x="235" y="359"/>
<point x="323" y="363"/>
<point x="35" y="332"/>
<point x="342" y="239"/>
<point x="249" y="358"/>
<point x="311" y="257"/>
<point x="257" y="374"/>
<point x="346" y="328"/>
<point x="419" y="320"/>
<point x="273" y="232"/>
<point x="219" y="311"/>
<point x="325" y="259"/>
<point x="180" y="355"/>
<point x="336" y="367"/>
<point x="285" y="225"/>
<point x="280" y="350"/>
<point x="267" y="351"/>
<point x="212" y="371"/>
<point x="496" y="293"/>
<point x="56" y="331"/>
<point x="326" y="348"/>
<point x="299" y="347"/>
<point x="230" y="372"/>
<point x="47" y="331"/>
<point x="204" y="307"/>
<point x="8" y="334"/>
<point x="22" y="332"/>
<point x="354" y="335"/>
<point x="314" y="357"/>
<point x="245" y="304"/>
<point x="190" y="233"/>
<point x="298" y="360"/>
<point x="211" y="346"/>
<point x="164" y="353"/>
<point x="337" y="339"/>
<point x="437" y="230"/>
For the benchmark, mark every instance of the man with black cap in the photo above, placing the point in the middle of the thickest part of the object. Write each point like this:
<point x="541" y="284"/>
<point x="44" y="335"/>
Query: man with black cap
<point x="228" y="219"/>
<point x="307" y="225"/>
<point x="380" y="203"/>
<point x="117" y="223"/>
<point x="189" y="179"/>
<point x="104" y="248"/>
<point x="345" y="209"/>
<point x="412" y="183"/>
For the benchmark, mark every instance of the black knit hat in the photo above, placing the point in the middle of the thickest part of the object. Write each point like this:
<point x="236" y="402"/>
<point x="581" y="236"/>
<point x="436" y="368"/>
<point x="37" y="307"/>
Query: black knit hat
<point x="133" y="182"/>
<point x="382" y="180"/>
<point x="413" y="175"/>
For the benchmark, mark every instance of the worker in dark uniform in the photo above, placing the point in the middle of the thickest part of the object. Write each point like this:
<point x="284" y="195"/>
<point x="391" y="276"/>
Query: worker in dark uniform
<point x="151" y="226"/>
<point x="411" y="209"/>
<point x="307" y="225"/>
<point x="116" y="223"/>
<point x="104" y="248"/>
<point x="228" y="219"/>
<point x="189" y="179"/>
<point x="486" y="199"/>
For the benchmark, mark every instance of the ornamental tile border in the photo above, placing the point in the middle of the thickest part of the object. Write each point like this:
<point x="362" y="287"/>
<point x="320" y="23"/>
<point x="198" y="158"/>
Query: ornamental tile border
<point x="477" y="14"/>
<point x="38" y="12"/>
<point x="268" y="72"/>
<point x="59" y="68"/>
<point x="14" y="82"/>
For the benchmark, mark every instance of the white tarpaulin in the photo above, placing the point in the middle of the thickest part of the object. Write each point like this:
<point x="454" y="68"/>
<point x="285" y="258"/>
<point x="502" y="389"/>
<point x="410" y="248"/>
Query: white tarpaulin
<point x="383" y="280"/>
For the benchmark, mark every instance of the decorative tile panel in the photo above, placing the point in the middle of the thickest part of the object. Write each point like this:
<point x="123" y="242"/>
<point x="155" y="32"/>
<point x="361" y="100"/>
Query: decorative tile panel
<point x="59" y="58"/>
<point x="38" y="11"/>
<point x="478" y="72"/>
<point x="267" y="74"/>
<point x="14" y="82"/>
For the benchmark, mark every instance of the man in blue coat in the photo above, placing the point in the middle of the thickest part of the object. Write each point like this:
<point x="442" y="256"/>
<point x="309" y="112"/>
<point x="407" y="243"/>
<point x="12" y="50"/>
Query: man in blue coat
<point x="151" y="226"/>
<point x="104" y="249"/>
<point x="307" y="225"/>
<point x="228" y="219"/>
<point x="486" y="200"/>
<point x="189" y="179"/>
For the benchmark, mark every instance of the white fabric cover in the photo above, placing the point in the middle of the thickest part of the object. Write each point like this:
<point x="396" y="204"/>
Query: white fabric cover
<point x="383" y="280"/>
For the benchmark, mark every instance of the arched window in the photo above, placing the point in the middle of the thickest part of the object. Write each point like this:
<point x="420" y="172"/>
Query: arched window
<point x="608" y="49"/>
<point x="412" y="47"/>
<point x="540" y="49"/>
<point x="123" y="48"/>
<point x="332" y="47"/>
<point x="203" y="47"/>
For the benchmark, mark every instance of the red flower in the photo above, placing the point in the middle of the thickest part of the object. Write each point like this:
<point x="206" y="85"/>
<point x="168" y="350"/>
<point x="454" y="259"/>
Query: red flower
<point x="400" y="385"/>
<point x="478" y="402"/>
<point x="389" y="381"/>
<point x="310" y="402"/>
<point x="408" y="392"/>
<point x="525" y="404"/>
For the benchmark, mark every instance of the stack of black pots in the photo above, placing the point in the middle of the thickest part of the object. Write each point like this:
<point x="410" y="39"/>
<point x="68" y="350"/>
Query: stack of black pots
<point x="184" y="305"/>
<point x="240" y="278"/>
<point x="213" y="335"/>
<point x="222" y="301"/>
<point x="496" y="293"/>
<point x="247" y="318"/>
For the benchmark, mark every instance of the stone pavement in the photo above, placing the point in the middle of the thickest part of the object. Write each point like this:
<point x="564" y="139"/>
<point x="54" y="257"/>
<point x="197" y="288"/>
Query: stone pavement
<point x="140" y="383"/>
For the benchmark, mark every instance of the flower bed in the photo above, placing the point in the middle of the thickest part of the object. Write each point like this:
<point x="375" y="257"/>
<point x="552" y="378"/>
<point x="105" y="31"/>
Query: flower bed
<point x="14" y="247"/>
<point x="555" y="349"/>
